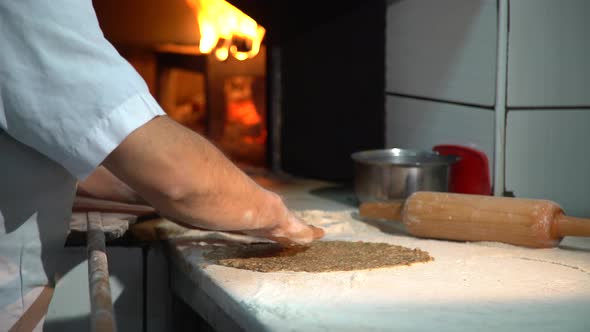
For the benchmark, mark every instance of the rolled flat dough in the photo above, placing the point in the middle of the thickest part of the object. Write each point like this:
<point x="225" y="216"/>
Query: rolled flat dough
<point x="320" y="256"/>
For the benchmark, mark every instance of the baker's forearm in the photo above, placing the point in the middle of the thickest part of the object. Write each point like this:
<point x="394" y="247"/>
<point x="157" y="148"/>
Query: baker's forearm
<point x="189" y="180"/>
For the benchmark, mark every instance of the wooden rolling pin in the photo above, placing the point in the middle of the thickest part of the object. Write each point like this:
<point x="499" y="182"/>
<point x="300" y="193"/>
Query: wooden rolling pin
<point x="523" y="222"/>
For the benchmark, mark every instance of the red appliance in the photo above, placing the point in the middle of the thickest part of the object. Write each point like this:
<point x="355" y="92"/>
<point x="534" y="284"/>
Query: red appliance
<point x="470" y="175"/>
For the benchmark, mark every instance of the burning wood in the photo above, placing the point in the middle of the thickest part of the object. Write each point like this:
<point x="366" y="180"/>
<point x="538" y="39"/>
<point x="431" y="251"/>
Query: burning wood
<point x="226" y="30"/>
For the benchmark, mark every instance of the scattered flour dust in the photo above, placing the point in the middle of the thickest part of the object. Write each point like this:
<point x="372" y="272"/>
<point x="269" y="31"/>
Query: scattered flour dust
<point x="335" y="224"/>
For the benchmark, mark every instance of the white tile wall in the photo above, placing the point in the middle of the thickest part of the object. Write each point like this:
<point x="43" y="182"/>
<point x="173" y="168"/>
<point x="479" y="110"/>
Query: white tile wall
<point x="549" y="52"/>
<point x="419" y="124"/>
<point x="442" y="49"/>
<point x="548" y="156"/>
<point x="446" y="51"/>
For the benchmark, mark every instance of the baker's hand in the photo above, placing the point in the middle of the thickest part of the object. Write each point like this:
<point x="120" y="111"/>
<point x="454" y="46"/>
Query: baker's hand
<point x="283" y="226"/>
<point x="293" y="231"/>
<point x="188" y="180"/>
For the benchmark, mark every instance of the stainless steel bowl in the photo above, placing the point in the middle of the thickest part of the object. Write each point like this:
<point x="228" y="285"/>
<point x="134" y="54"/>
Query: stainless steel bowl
<point x="394" y="174"/>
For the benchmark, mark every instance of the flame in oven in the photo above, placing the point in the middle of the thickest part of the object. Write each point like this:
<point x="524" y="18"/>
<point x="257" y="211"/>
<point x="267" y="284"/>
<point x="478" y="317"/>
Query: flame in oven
<point x="225" y="30"/>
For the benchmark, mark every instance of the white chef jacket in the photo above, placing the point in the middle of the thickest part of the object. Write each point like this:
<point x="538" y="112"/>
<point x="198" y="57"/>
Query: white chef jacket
<point x="67" y="99"/>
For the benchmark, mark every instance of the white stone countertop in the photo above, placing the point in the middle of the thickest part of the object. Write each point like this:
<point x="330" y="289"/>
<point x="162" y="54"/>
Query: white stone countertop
<point x="468" y="287"/>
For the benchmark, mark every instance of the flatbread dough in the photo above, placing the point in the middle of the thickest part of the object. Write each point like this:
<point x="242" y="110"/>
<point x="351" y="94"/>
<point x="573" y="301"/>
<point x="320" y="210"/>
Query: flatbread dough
<point x="320" y="256"/>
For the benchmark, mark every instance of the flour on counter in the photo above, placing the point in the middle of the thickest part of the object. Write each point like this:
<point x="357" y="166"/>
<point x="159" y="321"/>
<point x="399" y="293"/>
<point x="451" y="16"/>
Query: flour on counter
<point x="470" y="286"/>
<point x="337" y="225"/>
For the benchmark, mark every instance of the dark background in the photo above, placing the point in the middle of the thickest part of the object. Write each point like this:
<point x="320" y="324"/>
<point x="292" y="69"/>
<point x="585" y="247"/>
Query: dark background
<point x="332" y="56"/>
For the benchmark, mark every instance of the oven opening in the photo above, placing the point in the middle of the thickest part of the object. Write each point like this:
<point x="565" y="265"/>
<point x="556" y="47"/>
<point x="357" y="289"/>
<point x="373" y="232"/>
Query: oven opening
<point x="208" y="73"/>
<point x="223" y="100"/>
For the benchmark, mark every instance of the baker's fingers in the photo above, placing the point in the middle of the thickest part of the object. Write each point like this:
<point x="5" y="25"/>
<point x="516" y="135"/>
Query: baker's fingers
<point x="289" y="231"/>
<point x="318" y="233"/>
<point x="295" y="230"/>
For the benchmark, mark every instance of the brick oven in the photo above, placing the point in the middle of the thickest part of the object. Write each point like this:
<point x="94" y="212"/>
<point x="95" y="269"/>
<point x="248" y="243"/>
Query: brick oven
<point x="309" y="98"/>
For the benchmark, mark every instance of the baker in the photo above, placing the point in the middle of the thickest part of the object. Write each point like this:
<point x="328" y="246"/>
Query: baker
<point x="69" y="103"/>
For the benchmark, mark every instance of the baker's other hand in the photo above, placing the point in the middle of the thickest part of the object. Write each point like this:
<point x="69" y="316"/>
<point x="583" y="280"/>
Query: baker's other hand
<point x="102" y="184"/>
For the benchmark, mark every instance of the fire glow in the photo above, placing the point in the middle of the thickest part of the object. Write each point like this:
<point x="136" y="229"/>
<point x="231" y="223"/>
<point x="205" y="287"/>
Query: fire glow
<point x="220" y="24"/>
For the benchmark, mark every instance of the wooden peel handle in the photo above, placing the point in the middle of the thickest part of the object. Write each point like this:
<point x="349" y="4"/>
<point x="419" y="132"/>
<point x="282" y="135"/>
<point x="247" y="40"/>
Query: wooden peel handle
<point x="391" y="210"/>
<point x="86" y="204"/>
<point x="572" y="226"/>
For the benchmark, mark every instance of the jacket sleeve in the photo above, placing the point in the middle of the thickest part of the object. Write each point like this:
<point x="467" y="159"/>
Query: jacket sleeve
<point x="64" y="89"/>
